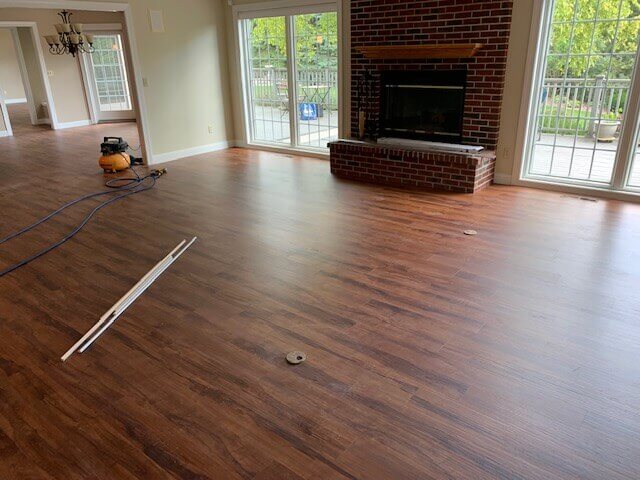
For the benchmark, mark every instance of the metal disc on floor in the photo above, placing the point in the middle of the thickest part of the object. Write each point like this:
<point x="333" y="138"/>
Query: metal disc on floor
<point x="470" y="232"/>
<point x="296" y="357"/>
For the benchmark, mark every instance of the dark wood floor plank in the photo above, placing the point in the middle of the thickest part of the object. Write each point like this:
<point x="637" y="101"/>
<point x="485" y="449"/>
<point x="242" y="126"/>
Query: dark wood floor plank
<point x="431" y="354"/>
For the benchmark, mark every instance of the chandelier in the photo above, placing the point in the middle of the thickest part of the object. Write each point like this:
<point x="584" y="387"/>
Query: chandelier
<point x="70" y="38"/>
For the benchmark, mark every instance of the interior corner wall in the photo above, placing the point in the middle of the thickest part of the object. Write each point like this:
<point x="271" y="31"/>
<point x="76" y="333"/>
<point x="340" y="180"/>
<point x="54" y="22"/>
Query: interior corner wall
<point x="10" y="77"/>
<point x="187" y="73"/>
<point x="513" y="87"/>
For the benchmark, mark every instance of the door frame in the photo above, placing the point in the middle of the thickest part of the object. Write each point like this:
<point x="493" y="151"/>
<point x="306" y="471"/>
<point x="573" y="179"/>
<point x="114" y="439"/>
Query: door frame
<point x="132" y="47"/>
<point x="285" y="8"/>
<point x="8" y="131"/>
<point x="535" y="64"/>
<point x="88" y="77"/>
<point x="35" y="37"/>
<point x="26" y="82"/>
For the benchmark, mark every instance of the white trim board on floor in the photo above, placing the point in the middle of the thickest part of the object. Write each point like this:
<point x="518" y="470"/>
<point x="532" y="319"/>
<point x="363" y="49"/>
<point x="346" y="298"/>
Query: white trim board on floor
<point x="502" y="179"/>
<point x="4" y="133"/>
<point x="190" y="152"/>
<point x="78" y="123"/>
<point x="14" y="101"/>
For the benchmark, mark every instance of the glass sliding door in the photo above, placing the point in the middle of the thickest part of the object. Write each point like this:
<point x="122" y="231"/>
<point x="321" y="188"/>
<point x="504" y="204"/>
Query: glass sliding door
<point x="290" y="79"/>
<point x="266" y="85"/>
<point x="316" y="66"/>
<point x="582" y="98"/>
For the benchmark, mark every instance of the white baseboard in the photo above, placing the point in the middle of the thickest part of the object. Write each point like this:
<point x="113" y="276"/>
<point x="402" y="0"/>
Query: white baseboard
<point x="44" y="121"/>
<point x="4" y="134"/>
<point x="190" y="152"/>
<point x="502" y="178"/>
<point x="79" y="123"/>
<point x="11" y="101"/>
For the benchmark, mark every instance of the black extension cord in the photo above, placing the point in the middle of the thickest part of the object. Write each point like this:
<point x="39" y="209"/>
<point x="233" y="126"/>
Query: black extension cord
<point x="129" y="185"/>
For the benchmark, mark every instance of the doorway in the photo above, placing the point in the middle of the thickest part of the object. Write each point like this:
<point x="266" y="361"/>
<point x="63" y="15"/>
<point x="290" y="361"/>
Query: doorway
<point x="290" y="77"/>
<point x="583" y="114"/>
<point x="25" y="94"/>
<point x="106" y="76"/>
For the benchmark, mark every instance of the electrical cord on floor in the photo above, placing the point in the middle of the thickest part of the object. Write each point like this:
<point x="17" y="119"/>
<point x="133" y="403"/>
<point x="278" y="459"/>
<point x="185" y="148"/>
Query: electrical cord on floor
<point x="128" y="185"/>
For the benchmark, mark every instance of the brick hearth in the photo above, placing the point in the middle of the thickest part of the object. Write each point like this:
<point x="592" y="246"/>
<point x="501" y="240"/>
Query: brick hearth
<point x="370" y="162"/>
<point x="419" y="22"/>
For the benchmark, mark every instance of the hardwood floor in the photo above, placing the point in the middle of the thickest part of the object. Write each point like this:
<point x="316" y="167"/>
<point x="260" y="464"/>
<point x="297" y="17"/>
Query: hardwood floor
<point x="512" y="354"/>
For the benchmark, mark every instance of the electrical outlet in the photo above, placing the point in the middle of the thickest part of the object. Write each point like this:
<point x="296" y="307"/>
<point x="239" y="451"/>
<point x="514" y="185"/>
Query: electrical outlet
<point x="50" y="73"/>
<point x="210" y="128"/>
<point x="506" y="152"/>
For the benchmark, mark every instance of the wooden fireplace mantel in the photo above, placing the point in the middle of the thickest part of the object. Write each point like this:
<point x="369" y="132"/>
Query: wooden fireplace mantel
<point x="443" y="50"/>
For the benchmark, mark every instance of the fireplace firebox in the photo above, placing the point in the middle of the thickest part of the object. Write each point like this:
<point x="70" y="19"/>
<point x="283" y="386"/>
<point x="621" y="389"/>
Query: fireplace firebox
<point x="423" y="105"/>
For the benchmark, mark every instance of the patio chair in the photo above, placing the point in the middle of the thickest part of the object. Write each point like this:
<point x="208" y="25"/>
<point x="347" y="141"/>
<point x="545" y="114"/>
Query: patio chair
<point x="542" y="100"/>
<point x="282" y="93"/>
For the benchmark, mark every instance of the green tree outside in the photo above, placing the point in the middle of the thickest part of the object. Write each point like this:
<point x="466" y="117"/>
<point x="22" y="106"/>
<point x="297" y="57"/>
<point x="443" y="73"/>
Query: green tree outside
<point x="315" y="41"/>
<point x="575" y="32"/>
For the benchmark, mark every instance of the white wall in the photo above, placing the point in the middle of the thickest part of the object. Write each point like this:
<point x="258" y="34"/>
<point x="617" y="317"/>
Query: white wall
<point x="514" y="81"/>
<point x="10" y="78"/>
<point x="186" y="68"/>
<point x="187" y="72"/>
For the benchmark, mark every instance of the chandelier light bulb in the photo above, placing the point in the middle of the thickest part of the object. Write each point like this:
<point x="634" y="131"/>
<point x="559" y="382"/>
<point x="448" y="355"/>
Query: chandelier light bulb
<point x="70" y="39"/>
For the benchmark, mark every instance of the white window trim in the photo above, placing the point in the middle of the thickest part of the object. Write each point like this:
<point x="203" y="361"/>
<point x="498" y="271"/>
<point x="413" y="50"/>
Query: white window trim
<point x="278" y="8"/>
<point x="540" y="23"/>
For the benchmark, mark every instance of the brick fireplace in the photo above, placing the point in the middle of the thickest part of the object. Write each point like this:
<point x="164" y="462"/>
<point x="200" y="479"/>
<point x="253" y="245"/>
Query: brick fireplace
<point x="428" y="22"/>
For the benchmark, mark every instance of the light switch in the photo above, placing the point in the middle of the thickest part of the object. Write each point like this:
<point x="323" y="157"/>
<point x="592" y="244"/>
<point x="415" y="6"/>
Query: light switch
<point x="145" y="82"/>
<point x="157" y="21"/>
<point x="50" y="73"/>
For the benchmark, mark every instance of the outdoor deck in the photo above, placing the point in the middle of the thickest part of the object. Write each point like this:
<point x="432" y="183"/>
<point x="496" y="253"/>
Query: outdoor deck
<point x="577" y="163"/>
<point x="272" y="125"/>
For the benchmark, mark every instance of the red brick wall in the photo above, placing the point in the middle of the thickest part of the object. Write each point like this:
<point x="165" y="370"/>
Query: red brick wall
<point x="410" y="22"/>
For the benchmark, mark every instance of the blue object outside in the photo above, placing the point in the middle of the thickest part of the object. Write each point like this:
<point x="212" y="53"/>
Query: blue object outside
<point x="308" y="111"/>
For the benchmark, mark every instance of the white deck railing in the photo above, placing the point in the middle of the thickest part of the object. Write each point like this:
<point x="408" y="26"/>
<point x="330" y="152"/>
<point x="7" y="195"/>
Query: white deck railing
<point x="572" y="105"/>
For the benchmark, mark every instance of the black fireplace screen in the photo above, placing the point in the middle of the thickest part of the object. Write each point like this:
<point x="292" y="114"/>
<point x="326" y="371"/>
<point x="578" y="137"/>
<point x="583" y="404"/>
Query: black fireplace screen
<point x="423" y="105"/>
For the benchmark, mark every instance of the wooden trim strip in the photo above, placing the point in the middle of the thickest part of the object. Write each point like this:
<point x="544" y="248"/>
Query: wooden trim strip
<point x="445" y="50"/>
<point x="128" y="298"/>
